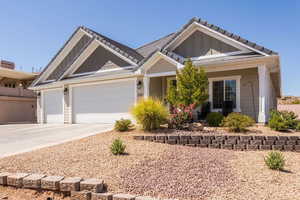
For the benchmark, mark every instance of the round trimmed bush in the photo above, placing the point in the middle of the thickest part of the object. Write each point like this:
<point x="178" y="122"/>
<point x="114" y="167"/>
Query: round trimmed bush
<point x="123" y="125"/>
<point x="237" y="122"/>
<point x="150" y="113"/>
<point x="214" y="119"/>
<point x="275" y="160"/>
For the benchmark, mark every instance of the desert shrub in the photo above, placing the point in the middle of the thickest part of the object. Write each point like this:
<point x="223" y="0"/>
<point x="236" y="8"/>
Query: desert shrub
<point x="150" y="113"/>
<point x="296" y="101"/>
<point x="275" y="160"/>
<point x="180" y="116"/>
<point x="214" y="119"/>
<point x="117" y="147"/>
<point x="237" y="122"/>
<point x="282" y="120"/>
<point x="298" y="126"/>
<point x="123" y="125"/>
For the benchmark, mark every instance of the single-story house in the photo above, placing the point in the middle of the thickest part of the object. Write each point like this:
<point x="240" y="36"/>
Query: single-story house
<point x="17" y="103"/>
<point x="94" y="79"/>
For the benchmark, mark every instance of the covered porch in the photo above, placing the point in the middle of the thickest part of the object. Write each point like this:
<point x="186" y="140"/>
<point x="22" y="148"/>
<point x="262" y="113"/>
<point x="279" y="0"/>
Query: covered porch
<point x="251" y="86"/>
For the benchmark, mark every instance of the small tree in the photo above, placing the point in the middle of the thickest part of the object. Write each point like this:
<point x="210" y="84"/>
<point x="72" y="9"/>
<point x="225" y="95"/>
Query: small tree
<point x="192" y="86"/>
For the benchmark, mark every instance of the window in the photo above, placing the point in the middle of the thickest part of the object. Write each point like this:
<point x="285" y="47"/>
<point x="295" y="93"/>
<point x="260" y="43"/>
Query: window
<point x="224" y="89"/>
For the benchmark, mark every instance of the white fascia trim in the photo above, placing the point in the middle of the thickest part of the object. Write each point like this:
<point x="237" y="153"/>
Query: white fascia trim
<point x="238" y="91"/>
<point x="101" y="71"/>
<point x="212" y="33"/>
<point x="84" y="80"/>
<point x="69" y="46"/>
<point x="80" y="59"/>
<point x="116" y="53"/>
<point x="154" y="59"/>
<point x="217" y="55"/>
<point x="161" y="74"/>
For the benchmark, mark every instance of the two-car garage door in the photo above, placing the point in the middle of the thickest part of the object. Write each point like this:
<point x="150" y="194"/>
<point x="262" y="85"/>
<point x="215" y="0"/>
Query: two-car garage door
<point x="102" y="102"/>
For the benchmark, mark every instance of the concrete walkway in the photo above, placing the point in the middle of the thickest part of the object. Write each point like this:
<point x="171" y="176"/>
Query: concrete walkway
<point x="19" y="138"/>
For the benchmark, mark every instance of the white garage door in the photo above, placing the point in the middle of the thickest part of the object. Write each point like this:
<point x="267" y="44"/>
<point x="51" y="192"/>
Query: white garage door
<point x="53" y="106"/>
<point x="102" y="103"/>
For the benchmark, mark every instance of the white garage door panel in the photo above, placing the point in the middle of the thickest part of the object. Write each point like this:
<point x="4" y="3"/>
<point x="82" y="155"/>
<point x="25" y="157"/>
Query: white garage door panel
<point x="53" y="106"/>
<point x="103" y="103"/>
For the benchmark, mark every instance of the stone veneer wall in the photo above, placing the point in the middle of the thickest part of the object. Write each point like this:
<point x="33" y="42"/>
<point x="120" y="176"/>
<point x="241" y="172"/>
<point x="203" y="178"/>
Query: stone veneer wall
<point x="235" y="142"/>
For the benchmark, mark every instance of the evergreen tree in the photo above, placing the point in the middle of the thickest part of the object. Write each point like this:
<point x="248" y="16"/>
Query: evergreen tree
<point x="192" y="86"/>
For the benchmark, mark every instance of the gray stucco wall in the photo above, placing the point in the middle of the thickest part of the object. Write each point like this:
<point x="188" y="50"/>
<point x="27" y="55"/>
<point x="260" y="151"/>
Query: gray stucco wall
<point x="98" y="59"/>
<point x="200" y="44"/>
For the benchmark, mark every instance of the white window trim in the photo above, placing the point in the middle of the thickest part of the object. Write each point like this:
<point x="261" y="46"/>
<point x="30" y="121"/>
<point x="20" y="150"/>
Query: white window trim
<point x="238" y="89"/>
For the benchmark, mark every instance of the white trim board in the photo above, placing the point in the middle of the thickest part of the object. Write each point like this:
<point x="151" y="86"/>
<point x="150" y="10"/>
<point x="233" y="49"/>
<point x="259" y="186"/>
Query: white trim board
<point x="238" y="91"/>
<point x="197" y="26"/>
<point x="64" y="52"/>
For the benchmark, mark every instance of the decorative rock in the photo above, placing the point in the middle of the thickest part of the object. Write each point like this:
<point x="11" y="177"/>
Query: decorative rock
<point x="230" y="141"/>
<point x="297" y="148"/>
<point x="258" y="137"/>
<point x="193" y="141"/>
<point x="265" y="147"/>
<point x="268" y="142"/>
<point x="195" y="127"/>
<point x="123" y="197"/>
<point x="255" y="142"/>
<point x="217" y="142"/>
<point x="3" y="178"/>
<point x="240" y="146"/>
<point x="171" y="141"/>
<point x="16" y="180"/>
<point x="226" y="146"/>
<point x="205" y="141"/>
<point x="102" y="196"/>
<point x="280" y="142"/>
<point x="51" y="182"/>
<point x="216" y="146"/>
<point x="277" y="147"/>
<point x="145" y="198"/>
<point x="93" y="185"/>
<point x="252" y="147"/>
<point x="81" y="195"/>
<point x="245" y="137"/>
<point x="291" y="142"/>
<point x="33" y="181"/>
<point x="243" y="141"/>
<point x="70" y="184"/>
<point x="138" y="137"/>
<point x="288" y="147"/>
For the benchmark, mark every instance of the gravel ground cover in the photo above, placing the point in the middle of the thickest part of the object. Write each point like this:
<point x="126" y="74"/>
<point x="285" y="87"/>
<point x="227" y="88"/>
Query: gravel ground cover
<point x="25" y="194"/>
<point x="156" y="169"/>
<point x="256" y="181"/>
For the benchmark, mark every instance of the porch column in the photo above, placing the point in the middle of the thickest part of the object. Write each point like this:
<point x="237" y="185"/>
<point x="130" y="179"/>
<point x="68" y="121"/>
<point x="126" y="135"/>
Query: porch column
<point x="264" y="88"/>
<point x="146" y="84"/>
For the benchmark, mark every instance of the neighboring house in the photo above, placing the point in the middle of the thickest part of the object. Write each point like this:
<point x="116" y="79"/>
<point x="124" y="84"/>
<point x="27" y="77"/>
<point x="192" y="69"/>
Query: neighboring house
<point x="17" y="103"/>
<point x="94" y="79"/>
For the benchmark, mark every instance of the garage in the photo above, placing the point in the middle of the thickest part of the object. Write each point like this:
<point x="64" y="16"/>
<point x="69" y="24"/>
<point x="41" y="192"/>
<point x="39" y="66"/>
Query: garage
<point x="53" y="106"/>
<point x="103" y="102"/>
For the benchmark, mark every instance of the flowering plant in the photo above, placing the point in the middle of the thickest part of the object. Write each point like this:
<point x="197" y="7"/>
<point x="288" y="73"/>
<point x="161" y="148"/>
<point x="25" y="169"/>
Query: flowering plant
<point x="180" y="116"/>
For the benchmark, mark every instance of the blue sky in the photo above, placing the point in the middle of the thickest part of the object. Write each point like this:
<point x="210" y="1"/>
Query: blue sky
<point x="33" y="31"/>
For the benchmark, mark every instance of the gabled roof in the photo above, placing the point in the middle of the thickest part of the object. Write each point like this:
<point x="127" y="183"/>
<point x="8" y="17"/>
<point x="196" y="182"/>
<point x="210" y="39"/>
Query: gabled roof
<point x="153" y="46"/>
<point x="225" y="33"/>
<point x="126" y="51"/>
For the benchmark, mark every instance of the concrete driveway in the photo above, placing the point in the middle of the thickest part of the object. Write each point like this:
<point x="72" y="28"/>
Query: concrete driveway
<point x="19" y="138"/>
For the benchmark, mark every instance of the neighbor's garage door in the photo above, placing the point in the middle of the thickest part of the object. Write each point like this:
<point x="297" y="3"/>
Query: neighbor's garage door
<point x="53" y="106"/>
<point x="103" y="102"/>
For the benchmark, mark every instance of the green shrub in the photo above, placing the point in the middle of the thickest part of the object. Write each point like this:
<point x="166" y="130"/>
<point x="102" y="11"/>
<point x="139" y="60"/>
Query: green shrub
<point x="296" y="101"/>
<point x="282" y="120"/>
<point x="275" y="160"/>
<point x="123" y="125"/>
<point x="117" y="147"/>
<point x="237" y="122"/>
<point x="150" y="113"/>
<point x="298" y="126"/>
<point x="214" y="119"/>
